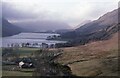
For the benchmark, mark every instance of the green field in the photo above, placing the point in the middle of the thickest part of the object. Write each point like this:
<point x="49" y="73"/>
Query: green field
<point x="16" y="73"/>
<point x="23" y="52"/>
<point x="27" y="50"/>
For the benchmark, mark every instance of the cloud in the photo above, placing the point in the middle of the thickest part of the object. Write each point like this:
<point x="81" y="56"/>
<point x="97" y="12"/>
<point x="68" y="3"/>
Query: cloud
<point x="69" y="11"/>
<point x="11" y="12"/>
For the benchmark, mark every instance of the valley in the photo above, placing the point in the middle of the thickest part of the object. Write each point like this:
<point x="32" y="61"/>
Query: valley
<point x="64" y="38"/>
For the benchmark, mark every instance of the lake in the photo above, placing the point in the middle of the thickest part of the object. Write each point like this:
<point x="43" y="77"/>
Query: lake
<point x="29" y="38"/>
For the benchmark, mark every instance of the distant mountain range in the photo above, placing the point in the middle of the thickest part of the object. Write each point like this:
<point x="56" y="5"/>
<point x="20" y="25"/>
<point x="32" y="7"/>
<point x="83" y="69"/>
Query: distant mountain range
<point x="9" y="29"/>
<point x="96" y="29"/>
<point x="40" y="26"/>
<point x="99" y="29"/>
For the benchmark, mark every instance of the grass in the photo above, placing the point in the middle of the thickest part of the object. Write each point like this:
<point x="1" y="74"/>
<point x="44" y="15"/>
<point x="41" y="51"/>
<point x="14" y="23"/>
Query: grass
<point x="26" y="52"/>
<point x="101" y="58"/>
<point x="87" y="68"/>
<point x="99" y="64"/>
<point x="27" y="70"/>
<point x="23" y="72"/>
<point x="16" y="73"/>
<point x="9" y="71"/>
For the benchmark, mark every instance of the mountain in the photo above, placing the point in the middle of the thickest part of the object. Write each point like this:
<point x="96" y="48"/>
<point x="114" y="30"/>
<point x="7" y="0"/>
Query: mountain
<point x="60" y="31"/>
<point x="99" y="29"/>
<point x="82" y="23"/>
<point x="103" y="22"/>
<point x="9" y="29"/>
<point x="39" y="26"/>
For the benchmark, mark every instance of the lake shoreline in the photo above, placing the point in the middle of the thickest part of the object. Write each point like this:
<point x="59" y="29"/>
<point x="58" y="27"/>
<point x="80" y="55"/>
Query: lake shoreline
<point x="32" y="38"/>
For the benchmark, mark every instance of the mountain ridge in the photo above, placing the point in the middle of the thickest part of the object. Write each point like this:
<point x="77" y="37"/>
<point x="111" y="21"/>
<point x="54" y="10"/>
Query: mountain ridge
<point x="9" y="29"/>
<point x="38" y="26"/>
<point x="95" y="30"/>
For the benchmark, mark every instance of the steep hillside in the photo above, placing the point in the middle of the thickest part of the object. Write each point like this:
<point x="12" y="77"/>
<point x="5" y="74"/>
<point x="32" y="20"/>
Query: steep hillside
<point x="82" y="23"/>
<point x="103" y="22"/>
<point x="9" y="29"/>
<point x="103" y="34"/>
<point x="60" y="31"/>
<point x="99" y="29"/>
<point x="99" y="58"/>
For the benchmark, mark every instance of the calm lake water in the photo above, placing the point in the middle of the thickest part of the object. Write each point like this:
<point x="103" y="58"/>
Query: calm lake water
<point x="29" y="38"/>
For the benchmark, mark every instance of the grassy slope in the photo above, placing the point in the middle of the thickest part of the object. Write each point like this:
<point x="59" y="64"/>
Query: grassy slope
<point x="92" y="59"/>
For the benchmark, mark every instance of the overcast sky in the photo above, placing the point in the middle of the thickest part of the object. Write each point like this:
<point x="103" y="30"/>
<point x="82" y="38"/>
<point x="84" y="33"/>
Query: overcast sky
<point x="72" y="12"/>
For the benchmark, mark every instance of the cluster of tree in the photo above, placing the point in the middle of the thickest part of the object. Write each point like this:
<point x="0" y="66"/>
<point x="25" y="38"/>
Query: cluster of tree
<point x="9" y="54"/>
<point x="67" y="44"/>
<point x="25" y="44"/>
<point x="54" y="37"/>
<point x="15" y="45"/>
<point x="46" y="66"/>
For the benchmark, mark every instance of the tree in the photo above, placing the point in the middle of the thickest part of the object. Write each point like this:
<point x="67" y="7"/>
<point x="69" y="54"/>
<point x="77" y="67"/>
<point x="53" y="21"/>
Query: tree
<point x="46" y="66"/>
<point x="9" y="54"/>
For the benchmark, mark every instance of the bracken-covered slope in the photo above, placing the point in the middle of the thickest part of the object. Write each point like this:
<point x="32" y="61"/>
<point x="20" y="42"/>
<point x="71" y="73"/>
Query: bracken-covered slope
<point x="99" y="58"/>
